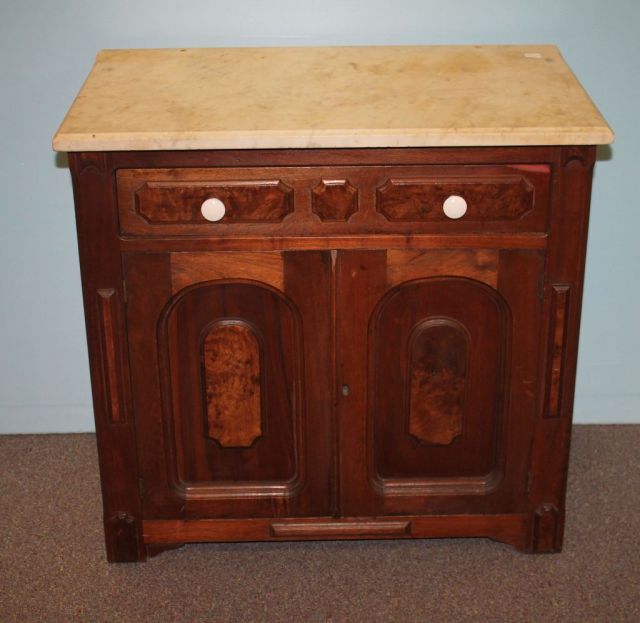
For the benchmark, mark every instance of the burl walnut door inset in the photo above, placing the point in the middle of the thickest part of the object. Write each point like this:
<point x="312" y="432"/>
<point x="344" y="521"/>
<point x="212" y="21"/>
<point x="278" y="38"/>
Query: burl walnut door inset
<point x="231" y="357"/>
<point x="437" y="348"/>
<point x="437" y="380"/>
<point x="233" y="377"/>
<point x="441" y="377"/>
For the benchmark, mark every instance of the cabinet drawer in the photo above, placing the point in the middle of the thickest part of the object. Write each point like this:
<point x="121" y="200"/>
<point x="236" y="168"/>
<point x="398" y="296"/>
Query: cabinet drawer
<point x="317" y="200"/>
<point x="473" y="199"/>
<point x="257" y="200"/>
<point x="170" y="201"/>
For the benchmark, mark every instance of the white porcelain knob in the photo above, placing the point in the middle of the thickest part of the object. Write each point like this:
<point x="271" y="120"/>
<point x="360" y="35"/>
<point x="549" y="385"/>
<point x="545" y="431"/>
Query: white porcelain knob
<point x="212" y="209"/>
<point x="454" y="206"/>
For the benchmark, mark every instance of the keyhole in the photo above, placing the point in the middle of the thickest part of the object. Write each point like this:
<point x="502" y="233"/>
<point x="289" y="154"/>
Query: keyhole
<point x="345" y="390"/>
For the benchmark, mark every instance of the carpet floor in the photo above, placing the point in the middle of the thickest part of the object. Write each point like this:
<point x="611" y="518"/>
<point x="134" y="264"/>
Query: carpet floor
<point x="53" y="568"/>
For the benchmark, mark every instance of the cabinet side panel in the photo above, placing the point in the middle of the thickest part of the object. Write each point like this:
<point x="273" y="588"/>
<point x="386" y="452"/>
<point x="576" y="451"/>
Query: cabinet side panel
<point x="571" y="194"/>
<point x="96" y="220"/>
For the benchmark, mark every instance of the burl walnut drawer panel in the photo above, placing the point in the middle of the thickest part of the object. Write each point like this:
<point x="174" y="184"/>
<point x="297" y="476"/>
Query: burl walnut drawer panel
<point x="273" y="200"/>
<point x="300" y="201"/>
<point x="169" y="201"/>
<point x="495" y="198"/>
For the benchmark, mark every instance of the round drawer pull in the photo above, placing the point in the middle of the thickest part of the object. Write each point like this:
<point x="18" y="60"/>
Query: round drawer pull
<point x="212" y="209"/>
<point x="454" y="207"/>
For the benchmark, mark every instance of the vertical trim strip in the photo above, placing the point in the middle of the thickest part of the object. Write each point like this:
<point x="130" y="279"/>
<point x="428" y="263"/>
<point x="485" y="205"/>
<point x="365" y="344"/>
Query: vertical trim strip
<point x="335" y="484"/>
<point x="107" y="314"/>
<point x="557" y="347"/>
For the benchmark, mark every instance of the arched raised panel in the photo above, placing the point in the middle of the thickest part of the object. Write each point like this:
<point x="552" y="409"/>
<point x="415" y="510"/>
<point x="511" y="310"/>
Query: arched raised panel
<point x="233" y="388"/>
<point x="438" y="365"/>
<point x="437" y="380"/>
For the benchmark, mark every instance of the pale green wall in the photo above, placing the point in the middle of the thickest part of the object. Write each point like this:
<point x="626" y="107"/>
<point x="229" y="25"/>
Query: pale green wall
<point x="47" y="48"/>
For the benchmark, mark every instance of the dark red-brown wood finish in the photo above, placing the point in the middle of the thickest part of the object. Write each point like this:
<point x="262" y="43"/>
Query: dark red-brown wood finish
<point x="335" y="358"/>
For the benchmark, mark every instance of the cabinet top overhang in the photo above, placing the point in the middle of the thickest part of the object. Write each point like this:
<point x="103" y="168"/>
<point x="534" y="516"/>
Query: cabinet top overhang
<point x="312" y="97"/>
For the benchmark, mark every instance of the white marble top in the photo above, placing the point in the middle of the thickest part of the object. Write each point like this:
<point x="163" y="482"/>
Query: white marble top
<point x="224" y="98"/>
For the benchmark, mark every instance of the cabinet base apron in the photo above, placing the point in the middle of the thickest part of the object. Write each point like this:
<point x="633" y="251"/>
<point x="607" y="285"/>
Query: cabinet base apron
<point x="507" y="528"/>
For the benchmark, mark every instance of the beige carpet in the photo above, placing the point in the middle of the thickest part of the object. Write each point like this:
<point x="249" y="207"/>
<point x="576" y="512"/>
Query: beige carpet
<point x="52" y="564"/>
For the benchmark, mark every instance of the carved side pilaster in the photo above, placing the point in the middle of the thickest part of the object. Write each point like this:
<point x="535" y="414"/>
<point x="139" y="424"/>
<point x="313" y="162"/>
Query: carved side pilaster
<point x="102" y="283"/>
<point x="111" y="357"/>
<point x="560" y="298"/>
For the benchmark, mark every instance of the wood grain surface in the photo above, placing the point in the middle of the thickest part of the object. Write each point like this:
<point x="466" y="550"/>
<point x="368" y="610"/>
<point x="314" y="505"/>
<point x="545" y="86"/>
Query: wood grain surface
<point x="334" y="373"/>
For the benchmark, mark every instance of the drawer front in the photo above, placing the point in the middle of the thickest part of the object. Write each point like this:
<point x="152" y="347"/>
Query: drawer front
<point x="473" y="199"/>
<point x="257" y="200"/>
<point x="260" y="201"/>
<point x="170" y="201"/>
<point x="302" y="201"/>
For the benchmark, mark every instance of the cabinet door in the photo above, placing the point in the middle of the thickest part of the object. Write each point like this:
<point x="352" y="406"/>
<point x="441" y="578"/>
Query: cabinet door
<point x="230" y="354"/>
<point x="438" y="360"/>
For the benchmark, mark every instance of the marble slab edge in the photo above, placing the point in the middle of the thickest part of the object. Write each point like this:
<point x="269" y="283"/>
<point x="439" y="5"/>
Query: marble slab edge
<point x="461" y="137"/>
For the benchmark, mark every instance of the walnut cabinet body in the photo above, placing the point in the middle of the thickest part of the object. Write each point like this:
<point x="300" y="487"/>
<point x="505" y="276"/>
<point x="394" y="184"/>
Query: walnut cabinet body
<point x="335" y="358"/>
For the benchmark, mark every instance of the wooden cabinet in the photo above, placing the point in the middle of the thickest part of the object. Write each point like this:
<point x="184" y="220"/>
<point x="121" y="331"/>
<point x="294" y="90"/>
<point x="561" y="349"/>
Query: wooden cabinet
<point x="286" y="375"/>
<point x="303" y="327"/>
